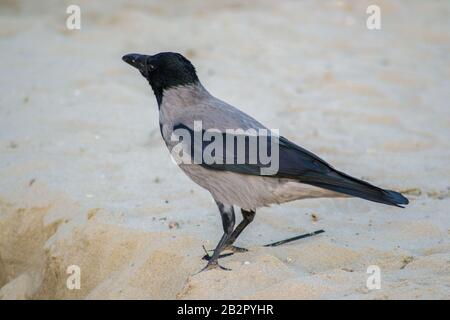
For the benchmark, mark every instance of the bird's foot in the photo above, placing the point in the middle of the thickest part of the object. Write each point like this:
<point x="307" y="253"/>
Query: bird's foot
<point x="213" y="265"/>
<point x="231" y="248"/>
<point x="235" y="249"/>
<point x="207" y="257"/>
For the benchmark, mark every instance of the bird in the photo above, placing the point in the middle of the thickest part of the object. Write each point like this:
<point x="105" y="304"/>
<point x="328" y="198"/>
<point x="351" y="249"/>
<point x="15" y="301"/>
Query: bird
<point x="300" y="174"/>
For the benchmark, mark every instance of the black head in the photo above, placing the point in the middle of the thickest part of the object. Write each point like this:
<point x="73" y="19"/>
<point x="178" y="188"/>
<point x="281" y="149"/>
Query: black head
<point x="163" y="70"/>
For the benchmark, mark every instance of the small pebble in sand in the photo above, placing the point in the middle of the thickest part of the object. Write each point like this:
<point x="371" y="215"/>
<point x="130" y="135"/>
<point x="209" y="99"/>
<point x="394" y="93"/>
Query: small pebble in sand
<point x="406" y="261"/>
<point x="31" y="182"/>
<point x="92" y="212"/>
<point x="13" y="145"/>
<point x="289" y="259"/>
<point x="174" y="224"/>
<point x="247" y="263"/>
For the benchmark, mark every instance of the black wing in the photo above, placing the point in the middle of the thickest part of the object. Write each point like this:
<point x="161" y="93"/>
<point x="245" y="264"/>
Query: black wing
<point x="294" y="162"/>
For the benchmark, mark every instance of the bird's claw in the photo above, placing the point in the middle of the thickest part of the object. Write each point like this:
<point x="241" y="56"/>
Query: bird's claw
<point x="207" y="257"/>
<point x="231" y="248"/>
<point x="213" y="265"/>
<point x="235" y="249"/>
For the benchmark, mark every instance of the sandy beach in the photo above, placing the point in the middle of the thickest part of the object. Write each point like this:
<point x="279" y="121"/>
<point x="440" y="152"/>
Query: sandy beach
<point x="86" y="180"/>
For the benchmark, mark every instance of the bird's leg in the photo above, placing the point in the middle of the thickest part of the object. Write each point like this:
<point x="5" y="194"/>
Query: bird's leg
<point x="228" y="219"/>
<point x="247" y="218"/>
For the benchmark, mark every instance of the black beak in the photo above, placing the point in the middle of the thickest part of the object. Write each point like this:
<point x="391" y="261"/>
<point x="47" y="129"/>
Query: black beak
<point x="136" y="60"/>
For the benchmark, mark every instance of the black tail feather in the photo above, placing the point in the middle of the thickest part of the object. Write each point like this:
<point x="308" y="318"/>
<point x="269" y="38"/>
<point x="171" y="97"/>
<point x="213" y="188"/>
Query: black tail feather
<point x="343" y="183"/>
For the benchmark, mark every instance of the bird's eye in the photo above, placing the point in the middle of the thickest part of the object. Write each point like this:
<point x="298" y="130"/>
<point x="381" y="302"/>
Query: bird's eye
<point x="150" y="67"/>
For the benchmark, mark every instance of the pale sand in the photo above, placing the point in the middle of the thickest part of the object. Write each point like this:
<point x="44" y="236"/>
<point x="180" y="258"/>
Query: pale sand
<point x="86" y="180"/>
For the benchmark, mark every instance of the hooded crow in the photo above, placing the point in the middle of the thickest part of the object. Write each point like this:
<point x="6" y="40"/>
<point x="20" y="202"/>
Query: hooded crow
<point x="299" y="174"/>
